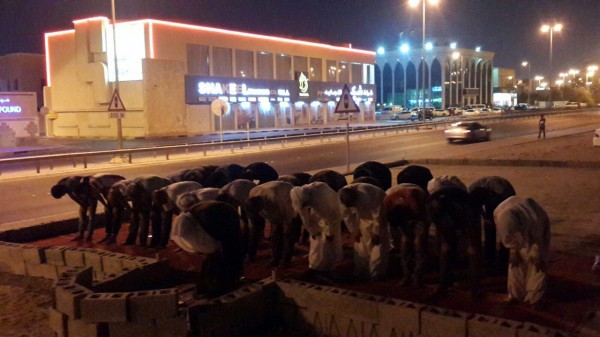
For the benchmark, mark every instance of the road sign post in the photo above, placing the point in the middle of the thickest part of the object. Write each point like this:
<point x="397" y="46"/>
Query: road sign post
<point x="347" y="105"/>
<point x="116" y="110"/>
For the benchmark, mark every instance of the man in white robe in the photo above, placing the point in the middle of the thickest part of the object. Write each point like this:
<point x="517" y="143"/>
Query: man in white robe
<point x="319" y="208"/>
<point x="361" y="211"/>
<point x="524" y="228"/>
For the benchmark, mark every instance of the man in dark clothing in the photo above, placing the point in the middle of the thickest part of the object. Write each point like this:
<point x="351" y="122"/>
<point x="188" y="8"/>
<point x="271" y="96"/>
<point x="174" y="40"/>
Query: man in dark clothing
<point x="542" y="127"/>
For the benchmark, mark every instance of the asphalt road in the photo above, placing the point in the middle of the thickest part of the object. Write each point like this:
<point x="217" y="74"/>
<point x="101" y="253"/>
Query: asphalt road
<point x="27" y="201"/>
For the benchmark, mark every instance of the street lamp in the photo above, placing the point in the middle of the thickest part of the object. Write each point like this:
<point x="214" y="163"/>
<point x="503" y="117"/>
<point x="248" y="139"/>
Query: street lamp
<point x="528" y="65"/>
<point x="591" y="71"/>
<point x="557" y="27"/>
<point x="539" y="79"/>
<point x="415" y="3"/>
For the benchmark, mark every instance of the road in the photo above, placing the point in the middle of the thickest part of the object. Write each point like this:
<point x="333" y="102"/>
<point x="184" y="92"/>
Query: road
<point x="27" y="200"/>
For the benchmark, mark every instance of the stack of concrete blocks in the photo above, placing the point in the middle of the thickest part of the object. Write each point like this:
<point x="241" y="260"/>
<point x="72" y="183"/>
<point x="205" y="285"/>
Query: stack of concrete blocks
<point x="247" y="311"/>
<point x="327" y="311"/>
<point x="99" y="293"/>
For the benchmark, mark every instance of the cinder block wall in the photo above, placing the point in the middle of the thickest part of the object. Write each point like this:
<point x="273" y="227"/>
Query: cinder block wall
<point x="99" y="293"/>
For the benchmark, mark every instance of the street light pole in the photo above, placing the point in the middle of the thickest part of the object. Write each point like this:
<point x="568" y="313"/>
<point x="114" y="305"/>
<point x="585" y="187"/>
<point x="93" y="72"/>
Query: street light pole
<point x="423" y="62"/>
<point x="546" y="28"/>
<point x="528" y="65"/>
<point x="119" y="125"/>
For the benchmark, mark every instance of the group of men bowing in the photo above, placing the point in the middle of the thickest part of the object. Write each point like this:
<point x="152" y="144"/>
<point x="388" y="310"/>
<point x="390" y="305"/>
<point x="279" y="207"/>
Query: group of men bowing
<point x="223" y="211"/>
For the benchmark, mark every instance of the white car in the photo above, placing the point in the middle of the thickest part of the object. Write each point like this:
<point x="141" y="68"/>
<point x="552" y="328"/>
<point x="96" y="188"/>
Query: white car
<point x="596" y="140"/>
<point x="441" y="113"/>
<point x="470" y="112"/>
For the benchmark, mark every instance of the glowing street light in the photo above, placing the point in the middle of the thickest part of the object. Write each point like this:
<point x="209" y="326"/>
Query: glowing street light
<point x="404" y="48"/>
<point x="380" y="50"/>
<point x="414" y="4"/>
<point x="539" y="79"/>
<point x="591" y="71"/>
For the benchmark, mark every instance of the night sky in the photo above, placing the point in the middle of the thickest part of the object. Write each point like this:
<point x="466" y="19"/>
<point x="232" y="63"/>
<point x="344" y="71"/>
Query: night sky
<point x="510" y="28"/>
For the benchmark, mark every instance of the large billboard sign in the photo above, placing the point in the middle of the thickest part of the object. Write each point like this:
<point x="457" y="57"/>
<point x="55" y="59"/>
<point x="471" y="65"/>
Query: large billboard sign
<point x="17" y="105"/>
<point x="204" y="90"/>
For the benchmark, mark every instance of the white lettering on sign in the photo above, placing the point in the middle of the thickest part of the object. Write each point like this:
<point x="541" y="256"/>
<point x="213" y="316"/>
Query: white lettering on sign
<point x="11" y="109"/>
<point x="354" y="91"/>
<point x="4" y="100"/>
<point x="216" y="88"/>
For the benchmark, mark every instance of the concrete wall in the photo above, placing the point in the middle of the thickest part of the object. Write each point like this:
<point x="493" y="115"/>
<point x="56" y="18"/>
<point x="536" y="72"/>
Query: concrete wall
<point x="100" y="293"/>
<point x="164" y="94"/>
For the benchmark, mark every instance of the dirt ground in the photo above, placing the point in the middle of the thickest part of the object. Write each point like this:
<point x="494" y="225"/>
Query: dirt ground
<point x="569" y="195"/>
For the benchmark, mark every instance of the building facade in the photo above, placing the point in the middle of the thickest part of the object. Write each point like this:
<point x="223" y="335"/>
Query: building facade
<point x="22" y="79"/>
<point x="168" y="75"/>
<point x="453" y="77"/>
<point x="505" y="87"/>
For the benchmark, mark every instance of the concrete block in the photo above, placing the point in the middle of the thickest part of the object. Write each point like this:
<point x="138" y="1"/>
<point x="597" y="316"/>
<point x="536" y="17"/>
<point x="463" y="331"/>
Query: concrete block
<point x="68" y="299"/>
<point x="172" y="327"/>
<point x="125" y="281"/>
<point x="80" y="275"/>
<point x="483" y="326"/>
<point x="132" y="262"/>
<point x="130" y="329"/>
<point x="79" y="328"/>
<point x="15" y="259"/>
<point x="112" y="263"/>
<point x="74" y="257"/>
<point x="104" y="307"/>
<point x="400" y="317"/>
<point x="147" y="305"/>
<point x="534" y="330"/>
<point x="351" y="304"/>
<point x="41" y="270"/>
<point x="55" y="256"/>
<point x="439" y="322"/>
<point x="58" y="322"/>
<point x="93" y="258"/>
<point x="34" y="254"/>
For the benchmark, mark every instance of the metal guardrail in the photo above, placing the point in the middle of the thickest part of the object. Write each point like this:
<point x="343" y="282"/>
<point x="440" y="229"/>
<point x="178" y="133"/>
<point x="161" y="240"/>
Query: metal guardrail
<point x="127" y="154"/>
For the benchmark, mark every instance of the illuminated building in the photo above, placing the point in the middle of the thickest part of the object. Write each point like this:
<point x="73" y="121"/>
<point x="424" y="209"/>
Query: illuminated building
<point x="453" y="76"/>
<point x="169" y="73"/>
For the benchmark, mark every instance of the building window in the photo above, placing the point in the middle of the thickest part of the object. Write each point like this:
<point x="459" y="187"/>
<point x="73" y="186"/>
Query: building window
<point x="301" y="64"/>
<point x="264" y="65"/>
<point x="284" y="67"/>
<point x="198" y="60"/>
<point x="344" y="72"/>
<point x="244" y="63"/>
<point x="332" y="71"/>
<point x="316" y="69"/>
<point x="222" y="62"/>
<point x="357" y="73"/>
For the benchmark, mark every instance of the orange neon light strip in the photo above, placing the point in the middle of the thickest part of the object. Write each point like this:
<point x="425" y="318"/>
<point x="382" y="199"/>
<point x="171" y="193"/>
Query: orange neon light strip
<point x="151" y="38"/>
<point x="46" y="43"/>
<point x="97" y="18"/>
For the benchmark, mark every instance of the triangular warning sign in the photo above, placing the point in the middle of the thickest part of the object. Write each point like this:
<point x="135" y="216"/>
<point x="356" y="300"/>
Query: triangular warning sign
<point x="116" y="104"/>
<point x="346" y="103"/>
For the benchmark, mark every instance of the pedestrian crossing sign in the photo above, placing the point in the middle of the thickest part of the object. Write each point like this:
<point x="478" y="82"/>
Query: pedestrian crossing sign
<point x="116" y="104"/>
<point x="346" y="103"/>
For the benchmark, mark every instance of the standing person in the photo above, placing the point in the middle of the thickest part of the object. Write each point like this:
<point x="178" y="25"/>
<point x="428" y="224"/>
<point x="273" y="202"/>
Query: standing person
<point x="524" y="228"/>
<point x="542" y="126"/>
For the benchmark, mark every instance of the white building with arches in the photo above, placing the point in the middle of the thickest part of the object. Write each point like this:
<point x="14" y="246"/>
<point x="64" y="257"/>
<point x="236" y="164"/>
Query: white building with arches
<point x="453" y="77"/>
